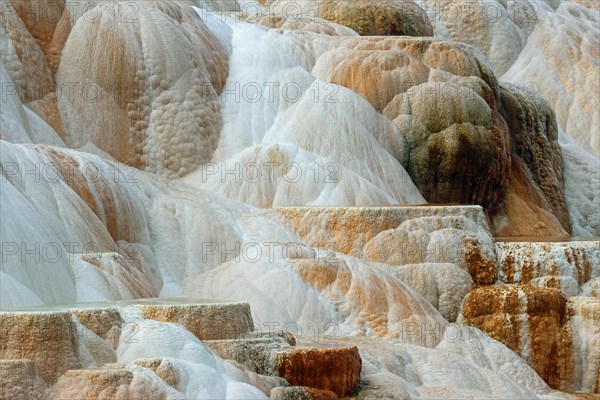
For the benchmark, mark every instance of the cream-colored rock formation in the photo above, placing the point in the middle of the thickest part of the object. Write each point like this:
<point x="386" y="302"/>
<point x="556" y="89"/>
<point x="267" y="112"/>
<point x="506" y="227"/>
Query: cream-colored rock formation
<point x="487" y="25"/>
<point x="104" y="322"/>
<point x="444" y="285"/>
<point x="437" y="239"/>
<point x="163" y="368"/>
<point x="375" y="299"/>
<point x="255" y="353"/>
<point x="402" y="235"/>
<point x="348" y="229"/>
<point x="32" y="41"/>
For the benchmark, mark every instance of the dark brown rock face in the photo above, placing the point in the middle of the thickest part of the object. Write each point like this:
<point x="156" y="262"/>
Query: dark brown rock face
<point x="334" y="369"/>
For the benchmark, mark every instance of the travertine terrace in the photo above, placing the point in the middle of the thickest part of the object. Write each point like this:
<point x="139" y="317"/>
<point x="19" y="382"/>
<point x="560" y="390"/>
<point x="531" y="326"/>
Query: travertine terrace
<point x="299" y="199"/>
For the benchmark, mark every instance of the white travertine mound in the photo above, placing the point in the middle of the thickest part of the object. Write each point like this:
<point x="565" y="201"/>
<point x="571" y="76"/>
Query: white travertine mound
<point x="122" y="280"/>
<point x="18" y="123"/>
<point x="467" y="363"/>
<point x="201" y="373"/>
<point x="77" y="207"/>
<point x="499" y="29"/>
<point x="162" y="99"/>
<point x="437" y="240"/>
<point x="356" y="157"/>
<point x="444" y="285"/>
<point x="582" y="188"/>
<point x="557" y="60"/>
<point x="25" y="61"/>
<point x="336" y="294"/>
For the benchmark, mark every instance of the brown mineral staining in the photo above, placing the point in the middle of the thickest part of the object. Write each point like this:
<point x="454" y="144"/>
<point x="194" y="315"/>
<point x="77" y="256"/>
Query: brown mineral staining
<point x="321" y="273"/>
<point x="206" y="321"/>
<point x="563" y="265"/>
<point x="579" y="259"/>
<point x="348" y="229"/>
<point x="366" y="17"/>
<point x="334" y="369"/>
<point x="103" y="191"/>
<point x="104" y="322"/>
<point x="49" y="339"/>
<point x="378" y="17"/>
<point x="254" y="353"/>
<point x="470" y="139"/>
<point x="482" y="269"/>
<point x="527" y="319"/>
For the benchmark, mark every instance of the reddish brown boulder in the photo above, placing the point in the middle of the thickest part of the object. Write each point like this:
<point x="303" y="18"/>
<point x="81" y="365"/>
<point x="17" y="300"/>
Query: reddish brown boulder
<point x="335" y="369"/>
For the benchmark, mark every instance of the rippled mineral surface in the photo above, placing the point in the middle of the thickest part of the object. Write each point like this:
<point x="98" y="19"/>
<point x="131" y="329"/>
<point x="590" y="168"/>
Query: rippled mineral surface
<point x="299" y="199"/>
